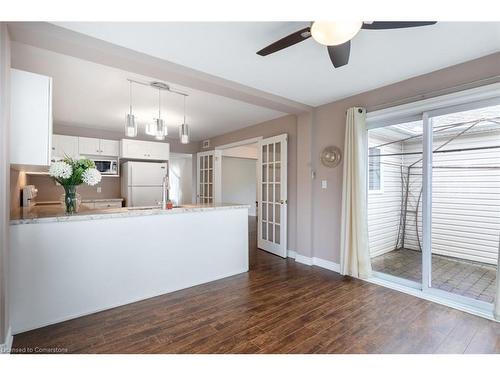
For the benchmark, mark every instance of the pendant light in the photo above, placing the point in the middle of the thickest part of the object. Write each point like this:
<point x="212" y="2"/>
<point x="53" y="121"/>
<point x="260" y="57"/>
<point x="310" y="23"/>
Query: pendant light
<point x="184" y="128"/>
<point x="159" y="125"/>
<point x="130" y="123"/>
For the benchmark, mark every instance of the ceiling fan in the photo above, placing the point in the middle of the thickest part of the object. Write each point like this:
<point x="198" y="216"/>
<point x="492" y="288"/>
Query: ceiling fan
<point x="336" y="36"/>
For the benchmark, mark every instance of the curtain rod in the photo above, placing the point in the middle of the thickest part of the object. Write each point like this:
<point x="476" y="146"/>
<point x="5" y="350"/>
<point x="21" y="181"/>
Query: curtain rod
<point x="431" y="94"/>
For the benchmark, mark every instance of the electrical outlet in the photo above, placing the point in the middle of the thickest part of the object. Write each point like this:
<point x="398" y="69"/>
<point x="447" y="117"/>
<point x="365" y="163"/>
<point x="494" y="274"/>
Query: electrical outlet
<point x="99" y="189"/>
<point x="324" y="184"/>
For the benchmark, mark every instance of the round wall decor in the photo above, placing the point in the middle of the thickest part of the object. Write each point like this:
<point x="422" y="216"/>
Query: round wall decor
<point x="331" y="156"/>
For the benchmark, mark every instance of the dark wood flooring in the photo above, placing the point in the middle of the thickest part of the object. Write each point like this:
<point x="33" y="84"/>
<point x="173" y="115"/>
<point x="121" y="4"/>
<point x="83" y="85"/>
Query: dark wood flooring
<point x="278" y="307"/>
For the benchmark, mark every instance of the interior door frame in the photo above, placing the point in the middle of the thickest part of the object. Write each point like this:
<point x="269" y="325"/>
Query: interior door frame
<point x="216" y="177"/>
<point x="243" y="142"/>
<point x="281" y="249"/>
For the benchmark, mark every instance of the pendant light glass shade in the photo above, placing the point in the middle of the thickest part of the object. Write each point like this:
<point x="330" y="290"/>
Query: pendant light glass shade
<point x="130" y="126"/>
<point x="130" y="123"/>
<point x="184" y="133"/>
<point x="184" y="128"/>
<point x="160" y="129"/>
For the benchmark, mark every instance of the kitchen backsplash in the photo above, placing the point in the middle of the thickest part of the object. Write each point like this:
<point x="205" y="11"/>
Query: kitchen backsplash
<point x="49" y="191"/>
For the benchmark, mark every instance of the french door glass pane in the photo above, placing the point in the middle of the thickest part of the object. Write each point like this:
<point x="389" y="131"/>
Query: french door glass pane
<point x="395" y="199"/>
<point x="466" y="202"/>
<point x="277" y="152"/>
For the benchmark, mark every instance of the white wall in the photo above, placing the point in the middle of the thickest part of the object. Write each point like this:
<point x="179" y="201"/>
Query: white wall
<point x="465" y="202"/>
<point x="4" y="179"/>
<point x="239" y="181"/>
<point x="384" y="207"/>
<point x="181" y="178"/>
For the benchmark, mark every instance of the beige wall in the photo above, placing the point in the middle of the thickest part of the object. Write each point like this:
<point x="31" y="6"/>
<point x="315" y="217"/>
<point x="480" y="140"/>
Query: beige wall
<point x="285" y="124"/>
<point x="49" y="191"/>
<point x="17" y="181"/>
<point x="329" y="127"/>
<point x="4" y="178"/>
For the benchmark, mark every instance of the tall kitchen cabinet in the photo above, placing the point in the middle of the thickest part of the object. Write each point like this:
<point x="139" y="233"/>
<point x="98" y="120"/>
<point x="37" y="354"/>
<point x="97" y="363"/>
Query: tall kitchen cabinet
<point x="30" y="120"/>
<point x="64" y="146"/>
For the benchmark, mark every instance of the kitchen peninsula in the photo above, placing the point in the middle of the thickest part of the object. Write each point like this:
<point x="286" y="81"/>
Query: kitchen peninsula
<point x="64" y="266"/>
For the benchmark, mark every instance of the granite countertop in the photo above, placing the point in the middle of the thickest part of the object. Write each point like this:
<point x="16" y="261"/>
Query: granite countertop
<point x="88" y="200"/>
<point x="46" y="214"/>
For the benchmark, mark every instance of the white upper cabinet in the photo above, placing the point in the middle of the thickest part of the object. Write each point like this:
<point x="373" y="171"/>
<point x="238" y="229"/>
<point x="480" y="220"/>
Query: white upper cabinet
<point x="88" y="146"/>
<point x="98" y="147"/>
<point x="109" y="147"/>
<point x="144" y="150"/>
<point x="30" y="119"/>
<point x="64" y="145"/>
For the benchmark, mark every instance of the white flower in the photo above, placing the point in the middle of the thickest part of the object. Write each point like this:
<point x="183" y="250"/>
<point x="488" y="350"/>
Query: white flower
<point x="60" y="169"/>
<point x="91" y="176"/>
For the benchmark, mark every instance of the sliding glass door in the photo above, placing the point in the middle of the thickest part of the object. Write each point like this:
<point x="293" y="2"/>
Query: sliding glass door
<point x="465" y="198"/>
<point x="394" y="199"/>
<point x="434" y="201"/>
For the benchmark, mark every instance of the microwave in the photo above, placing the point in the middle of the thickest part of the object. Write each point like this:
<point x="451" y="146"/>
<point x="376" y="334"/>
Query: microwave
<point x="106" y="167"/>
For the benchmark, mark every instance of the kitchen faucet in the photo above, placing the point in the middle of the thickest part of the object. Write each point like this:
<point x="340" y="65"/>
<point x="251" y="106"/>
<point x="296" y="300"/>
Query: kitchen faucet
<point x="165" y="187"/>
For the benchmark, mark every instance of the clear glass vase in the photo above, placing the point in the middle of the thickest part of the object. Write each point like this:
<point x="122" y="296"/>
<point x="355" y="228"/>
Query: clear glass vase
<point x="70" y="199"/>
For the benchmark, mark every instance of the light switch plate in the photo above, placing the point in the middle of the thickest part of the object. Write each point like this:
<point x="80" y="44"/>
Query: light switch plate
<point x="324" y="184"/>
<point x="99" y="189"/>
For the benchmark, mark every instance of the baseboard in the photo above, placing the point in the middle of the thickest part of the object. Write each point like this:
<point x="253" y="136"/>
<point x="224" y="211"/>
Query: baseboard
<point x="291" y="254"/>
<point x="314" y="261"/>
<point x="6" y="347"/>
<point x="329" y="265"/>
<point x="303" y="259"/>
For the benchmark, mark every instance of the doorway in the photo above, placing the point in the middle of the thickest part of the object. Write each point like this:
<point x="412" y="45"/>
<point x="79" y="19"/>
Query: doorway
<point x="260" y="180"/>
<point x="434" y="202"/>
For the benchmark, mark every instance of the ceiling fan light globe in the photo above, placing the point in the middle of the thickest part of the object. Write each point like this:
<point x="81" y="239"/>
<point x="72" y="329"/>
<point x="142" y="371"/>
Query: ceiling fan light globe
<point x="333" y="33"/>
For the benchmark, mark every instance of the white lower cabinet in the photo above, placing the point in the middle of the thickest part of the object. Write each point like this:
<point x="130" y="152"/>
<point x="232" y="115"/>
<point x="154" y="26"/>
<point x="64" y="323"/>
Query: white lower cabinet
<point x="102" y="204"/>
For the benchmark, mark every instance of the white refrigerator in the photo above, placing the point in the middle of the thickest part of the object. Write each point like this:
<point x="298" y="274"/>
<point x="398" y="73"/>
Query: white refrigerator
<point x="141" y="183"/>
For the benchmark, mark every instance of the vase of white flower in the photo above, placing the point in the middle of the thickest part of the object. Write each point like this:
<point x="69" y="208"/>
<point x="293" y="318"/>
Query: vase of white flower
<point x="70" y="199"/>
<point x="70" y="173"/>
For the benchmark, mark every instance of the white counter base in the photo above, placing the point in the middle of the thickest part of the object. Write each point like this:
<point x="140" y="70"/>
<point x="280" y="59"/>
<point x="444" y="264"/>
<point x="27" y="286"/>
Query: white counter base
<point x="63" y="270"/>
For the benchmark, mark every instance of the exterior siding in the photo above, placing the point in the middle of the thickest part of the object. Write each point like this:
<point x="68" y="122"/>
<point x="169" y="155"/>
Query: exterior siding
<point x="465" y="202"/>
<point x="384" y="206"/>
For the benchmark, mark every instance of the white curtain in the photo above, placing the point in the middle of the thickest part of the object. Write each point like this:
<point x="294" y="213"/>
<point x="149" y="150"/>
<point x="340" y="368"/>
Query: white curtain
<point x="496" y="311"/>
<point x="354" y="250"/>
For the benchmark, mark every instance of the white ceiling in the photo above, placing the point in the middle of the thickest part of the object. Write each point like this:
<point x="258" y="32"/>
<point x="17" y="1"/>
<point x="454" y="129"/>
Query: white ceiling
<point x="303" y="72"/>
<point x="91" y="95"/>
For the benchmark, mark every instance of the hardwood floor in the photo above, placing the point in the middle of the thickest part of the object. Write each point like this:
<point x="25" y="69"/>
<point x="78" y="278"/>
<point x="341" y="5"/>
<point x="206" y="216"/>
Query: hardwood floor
<point x="278" y="307"/>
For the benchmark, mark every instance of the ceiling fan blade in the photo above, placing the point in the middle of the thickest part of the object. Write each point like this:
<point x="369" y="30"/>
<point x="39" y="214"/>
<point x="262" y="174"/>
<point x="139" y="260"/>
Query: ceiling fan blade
<point x="386" y="25"/>
<point x="340" y="54"/>
<point x="287" y="41"/>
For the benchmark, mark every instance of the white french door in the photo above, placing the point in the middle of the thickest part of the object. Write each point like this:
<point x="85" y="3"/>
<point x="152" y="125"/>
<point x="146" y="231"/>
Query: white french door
<point x="208" y="177"/>
<point x="272" y="195"/>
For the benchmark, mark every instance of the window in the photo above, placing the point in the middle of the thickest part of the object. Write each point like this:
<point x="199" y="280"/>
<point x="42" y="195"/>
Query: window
<point x="374" y="170"/>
